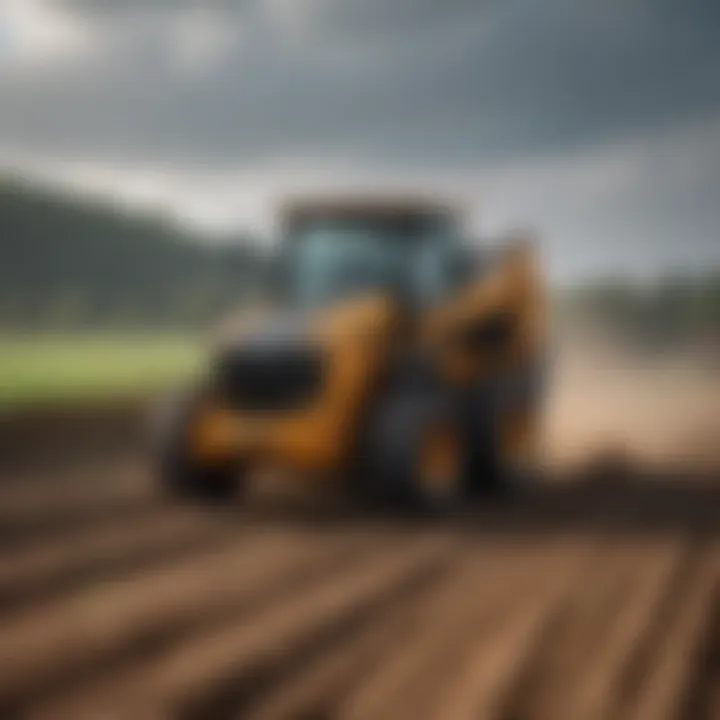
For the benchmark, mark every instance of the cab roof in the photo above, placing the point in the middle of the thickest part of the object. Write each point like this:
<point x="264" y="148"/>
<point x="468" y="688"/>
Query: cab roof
<point x="391" y="208"/>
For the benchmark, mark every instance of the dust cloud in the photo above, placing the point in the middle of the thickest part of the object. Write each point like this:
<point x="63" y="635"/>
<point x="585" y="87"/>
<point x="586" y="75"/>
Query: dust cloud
<point x="610" y="402"/>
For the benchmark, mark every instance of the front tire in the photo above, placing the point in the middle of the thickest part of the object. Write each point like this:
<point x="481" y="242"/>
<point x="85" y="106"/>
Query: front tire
<point x="184" y="478"/>
<point x="180" y="472"/>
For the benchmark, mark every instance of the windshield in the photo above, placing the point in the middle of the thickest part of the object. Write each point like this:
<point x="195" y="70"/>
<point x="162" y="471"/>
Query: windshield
<point x="335" y="260"/>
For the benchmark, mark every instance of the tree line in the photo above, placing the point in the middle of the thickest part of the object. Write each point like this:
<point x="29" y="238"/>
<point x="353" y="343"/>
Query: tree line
<point x="73" y="263"/>
<point x="671" y="310"/>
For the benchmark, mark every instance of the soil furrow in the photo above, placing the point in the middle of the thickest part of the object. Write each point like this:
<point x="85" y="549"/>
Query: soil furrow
<point x="212" y="675"/>
<point x="564" y="604"/>
<point x="596" y="696"/>
<point x="599" y="589"/>
<point x="45" y="569"/>
<point x="495" y="666"/>
<point x="83" y="634"/>
<point x="399" y="686"/>
<point x="316" y="689"/>
<point x="676" y="680"/>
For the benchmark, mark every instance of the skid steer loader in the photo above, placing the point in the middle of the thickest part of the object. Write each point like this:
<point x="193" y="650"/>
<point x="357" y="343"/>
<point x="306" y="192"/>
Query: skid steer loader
<point x="391" y="355"/>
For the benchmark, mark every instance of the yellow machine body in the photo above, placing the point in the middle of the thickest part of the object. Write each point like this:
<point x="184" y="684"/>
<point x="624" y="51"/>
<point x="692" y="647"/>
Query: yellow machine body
<point x="360" y="337"/>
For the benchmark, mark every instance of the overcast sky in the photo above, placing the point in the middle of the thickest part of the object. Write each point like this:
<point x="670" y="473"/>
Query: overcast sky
<point x="597" y="122"/>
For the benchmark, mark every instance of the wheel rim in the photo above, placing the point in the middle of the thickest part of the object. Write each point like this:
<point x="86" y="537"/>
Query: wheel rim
<point x="439" y="465"/>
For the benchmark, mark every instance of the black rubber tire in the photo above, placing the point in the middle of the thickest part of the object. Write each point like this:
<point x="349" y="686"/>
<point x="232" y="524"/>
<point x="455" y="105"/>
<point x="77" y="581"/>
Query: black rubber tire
<point x="485" y="474"/>
<point x="182" y="478"/>
<point x="391" y="452"/>
<point x="179" y="474"/>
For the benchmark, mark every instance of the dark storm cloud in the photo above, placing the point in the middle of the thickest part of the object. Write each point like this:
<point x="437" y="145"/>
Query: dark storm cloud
<point x="124" y="7"/>
<point x="595" y="121"/>
<point x="455" y="82"/>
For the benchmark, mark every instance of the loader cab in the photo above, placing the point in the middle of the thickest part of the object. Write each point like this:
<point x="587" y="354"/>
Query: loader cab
<point x="412" y="253"/>
<point x="421" y="400"/>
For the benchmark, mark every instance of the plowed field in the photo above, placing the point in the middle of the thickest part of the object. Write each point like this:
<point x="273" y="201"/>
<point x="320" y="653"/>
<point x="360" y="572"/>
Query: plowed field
<point x="567" y="602"/>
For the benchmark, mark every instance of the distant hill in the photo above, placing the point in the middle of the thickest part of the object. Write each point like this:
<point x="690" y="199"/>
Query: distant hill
<point x="67" y="262"/>
<point x="671" y="311"/>
<point x="73" y="263"/>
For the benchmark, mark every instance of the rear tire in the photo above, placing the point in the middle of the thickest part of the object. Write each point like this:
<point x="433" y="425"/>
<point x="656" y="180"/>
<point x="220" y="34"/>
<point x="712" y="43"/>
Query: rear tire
<point x="415" y="456"/>
<point x="485" y="474"/>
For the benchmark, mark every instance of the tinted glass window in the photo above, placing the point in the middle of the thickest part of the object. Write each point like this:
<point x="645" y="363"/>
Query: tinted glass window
<point x="334" y="260"/>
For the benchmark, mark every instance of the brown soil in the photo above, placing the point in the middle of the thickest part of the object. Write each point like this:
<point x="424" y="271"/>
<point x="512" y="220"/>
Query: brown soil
<point x="567" y="601"/>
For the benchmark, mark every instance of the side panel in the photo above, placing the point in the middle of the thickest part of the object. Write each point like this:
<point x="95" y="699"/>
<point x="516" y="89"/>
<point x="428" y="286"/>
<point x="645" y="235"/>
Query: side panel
<point x="493" y="333"/>
<point x="356" y="340"/>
